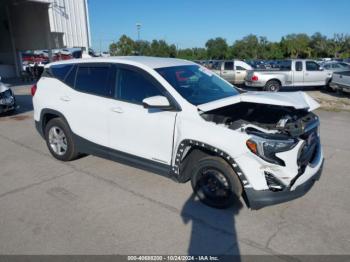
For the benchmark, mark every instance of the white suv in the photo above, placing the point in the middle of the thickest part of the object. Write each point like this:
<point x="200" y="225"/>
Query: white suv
<point x="179" y="119"/>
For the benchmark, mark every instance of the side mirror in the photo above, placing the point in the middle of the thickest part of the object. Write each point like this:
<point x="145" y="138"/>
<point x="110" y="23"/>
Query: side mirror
<point x="158" y="102"/>
<point x="321" y="68"/>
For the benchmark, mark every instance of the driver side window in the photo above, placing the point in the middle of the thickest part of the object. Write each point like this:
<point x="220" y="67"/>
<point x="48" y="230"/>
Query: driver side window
<point x="312" y="66"/>
<point x="132" y="86"/>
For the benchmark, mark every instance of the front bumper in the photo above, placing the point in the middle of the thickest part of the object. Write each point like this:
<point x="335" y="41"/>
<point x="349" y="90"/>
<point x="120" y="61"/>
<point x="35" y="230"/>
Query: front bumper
<point x="257" y="199"/>
<point x="336" y="86"/>
<point x="7" y="103"/>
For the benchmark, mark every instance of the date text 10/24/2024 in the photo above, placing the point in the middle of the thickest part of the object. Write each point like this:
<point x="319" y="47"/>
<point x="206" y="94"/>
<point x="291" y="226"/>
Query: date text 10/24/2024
<point x="173" y="258"/>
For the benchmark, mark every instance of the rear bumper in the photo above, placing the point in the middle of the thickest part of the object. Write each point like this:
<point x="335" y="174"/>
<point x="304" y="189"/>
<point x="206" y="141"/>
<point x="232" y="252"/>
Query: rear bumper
<point x="254" y="83"/>
<point x="257" y="199"/>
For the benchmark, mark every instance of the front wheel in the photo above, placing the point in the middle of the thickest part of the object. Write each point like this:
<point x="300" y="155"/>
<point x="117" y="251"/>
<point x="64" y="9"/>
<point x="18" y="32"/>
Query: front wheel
<point x="272" y="86"/>
<point x="215" y="183"/>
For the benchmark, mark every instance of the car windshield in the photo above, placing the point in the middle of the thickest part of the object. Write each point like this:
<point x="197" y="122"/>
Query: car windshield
<point x="196" y="84"/>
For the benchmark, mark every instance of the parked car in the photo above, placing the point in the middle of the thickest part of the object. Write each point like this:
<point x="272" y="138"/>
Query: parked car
<point x="195" y="126"/>
<point x="256" y="64"/>
<point x="341" y="81"/>
<point x="233" y="71"/>
<point x="336" y="66"/>
<point x="295" y="72"/>
<point x="7" y="99"/>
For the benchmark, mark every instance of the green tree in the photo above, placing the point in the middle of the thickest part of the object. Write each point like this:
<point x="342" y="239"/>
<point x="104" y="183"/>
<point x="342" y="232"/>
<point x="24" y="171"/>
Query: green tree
<point x="143" y="48"/>
<point x="160" y="48"/>
<point x="339" y="45"/>
<point x="296" y="46"/>
<point x="125" y="46"/>
<point x="274" y="51"/>
<point x="319" y="45"/>
<point x="247" y="48"/>
<point x="217" y="48"/>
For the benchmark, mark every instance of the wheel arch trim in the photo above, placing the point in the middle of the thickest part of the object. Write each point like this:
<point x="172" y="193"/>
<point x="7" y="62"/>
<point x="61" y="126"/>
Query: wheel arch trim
<point x="187" y="145"/>
<point x="45" y="112"/>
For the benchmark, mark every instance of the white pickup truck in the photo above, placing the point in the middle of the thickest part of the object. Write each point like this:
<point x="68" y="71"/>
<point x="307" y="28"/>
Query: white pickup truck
<point x="233" y="71"/>
<point x="294" y="72"/>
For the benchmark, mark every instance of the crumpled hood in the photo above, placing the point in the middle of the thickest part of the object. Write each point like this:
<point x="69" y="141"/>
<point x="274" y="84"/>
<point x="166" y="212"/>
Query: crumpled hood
<point x="298" y="100"/>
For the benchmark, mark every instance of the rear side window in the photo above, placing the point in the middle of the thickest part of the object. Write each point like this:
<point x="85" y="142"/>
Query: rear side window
<point x="285" y="65"/>
<point x="228" y="65"/>
<point x="240" y="68"/>
<point x="61" y="71"/>
<point x="133" y="86"/>
<point x="312" y="66"/>
<point x="70" y="79"/>
<point x="299" y="66"/>
<point x="93" y="80"/>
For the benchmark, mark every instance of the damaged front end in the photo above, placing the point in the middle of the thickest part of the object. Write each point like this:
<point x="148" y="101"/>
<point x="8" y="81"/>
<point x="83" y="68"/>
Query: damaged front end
<point x="285" y="141"/>
<point x="7" y="99"/>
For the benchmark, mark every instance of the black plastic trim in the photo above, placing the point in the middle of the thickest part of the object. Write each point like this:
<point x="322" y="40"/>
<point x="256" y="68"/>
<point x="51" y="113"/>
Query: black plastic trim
<point x="259" y="199"/>
<point x="88" y="147"/>
<point x="38" y="127"/>
<point x="189" y="143"/>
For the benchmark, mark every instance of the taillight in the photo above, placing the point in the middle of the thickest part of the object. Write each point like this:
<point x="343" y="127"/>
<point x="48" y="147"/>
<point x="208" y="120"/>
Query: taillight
<point x="33" y="89"/>
<point x="255" y="78"/>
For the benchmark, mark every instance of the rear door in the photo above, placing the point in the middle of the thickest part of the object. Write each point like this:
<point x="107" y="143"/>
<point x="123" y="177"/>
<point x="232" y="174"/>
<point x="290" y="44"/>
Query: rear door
<point x="298" y="73"/>
<point x="313" y="75"/>
<point x="228" y="71"/>
<point x="86" y="107"/>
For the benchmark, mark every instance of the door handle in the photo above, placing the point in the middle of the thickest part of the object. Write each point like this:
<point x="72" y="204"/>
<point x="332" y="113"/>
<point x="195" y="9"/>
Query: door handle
<point x="306" y="74"/>
<point x="238" y="72"/>
<point x="65" y="98"/>
<point x="117" y="110"/>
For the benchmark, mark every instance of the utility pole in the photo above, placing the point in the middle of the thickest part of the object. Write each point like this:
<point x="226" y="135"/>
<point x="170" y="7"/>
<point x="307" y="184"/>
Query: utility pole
<point x="138" y="28"/>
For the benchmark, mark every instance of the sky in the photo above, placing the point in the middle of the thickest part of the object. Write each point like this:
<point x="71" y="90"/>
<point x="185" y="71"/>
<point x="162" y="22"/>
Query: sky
<point x="190" y="23"/>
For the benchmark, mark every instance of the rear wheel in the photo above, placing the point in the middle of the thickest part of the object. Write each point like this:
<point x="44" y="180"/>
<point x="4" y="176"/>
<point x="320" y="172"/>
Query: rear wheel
<point x="272" y="86"/>
<point x="59" y="140"/>
<point x="215" y="183"/>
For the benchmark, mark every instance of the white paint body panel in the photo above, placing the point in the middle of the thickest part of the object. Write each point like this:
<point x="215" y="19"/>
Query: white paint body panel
<point x="156" y="135"/>
<point x="140" y="131"/>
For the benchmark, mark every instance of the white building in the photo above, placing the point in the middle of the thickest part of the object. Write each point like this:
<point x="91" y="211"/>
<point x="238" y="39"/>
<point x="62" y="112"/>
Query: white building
<point x="40" y="24"/>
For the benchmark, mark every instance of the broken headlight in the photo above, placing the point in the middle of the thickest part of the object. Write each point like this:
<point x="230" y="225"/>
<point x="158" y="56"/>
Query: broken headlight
<point x="267" y="148"/>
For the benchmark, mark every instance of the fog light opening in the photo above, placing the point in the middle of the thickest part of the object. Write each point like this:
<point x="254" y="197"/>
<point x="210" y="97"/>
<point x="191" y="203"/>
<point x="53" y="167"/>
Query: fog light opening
<point x="273" y="183"/>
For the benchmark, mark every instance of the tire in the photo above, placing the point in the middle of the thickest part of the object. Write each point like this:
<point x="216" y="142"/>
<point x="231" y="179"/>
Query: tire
<point x="272" y="86"/>
<point x="215" y="183"/>
<point x="328" y="88"/>
<point x="59" y="140"/>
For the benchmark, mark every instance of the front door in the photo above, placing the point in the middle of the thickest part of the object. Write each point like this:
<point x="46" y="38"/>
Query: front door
<point x="146" y="133"/>
<point x="313" y="75"/>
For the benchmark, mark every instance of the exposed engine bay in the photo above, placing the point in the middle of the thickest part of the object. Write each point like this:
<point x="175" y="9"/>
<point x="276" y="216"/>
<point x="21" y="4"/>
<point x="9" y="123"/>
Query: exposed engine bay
<point x="263" y="120"/>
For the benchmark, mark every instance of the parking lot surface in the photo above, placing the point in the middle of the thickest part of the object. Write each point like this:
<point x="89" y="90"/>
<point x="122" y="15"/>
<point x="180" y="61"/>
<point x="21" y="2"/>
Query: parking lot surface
<point x="96" y="206"/>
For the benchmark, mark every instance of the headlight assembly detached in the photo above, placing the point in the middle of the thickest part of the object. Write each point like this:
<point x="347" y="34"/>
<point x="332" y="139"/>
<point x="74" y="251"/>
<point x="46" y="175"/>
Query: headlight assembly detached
<point x="267" y="149"/>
